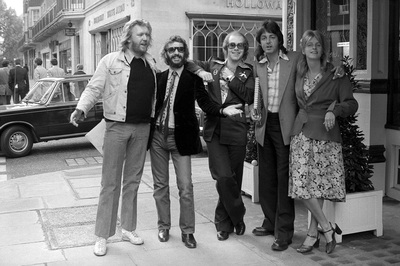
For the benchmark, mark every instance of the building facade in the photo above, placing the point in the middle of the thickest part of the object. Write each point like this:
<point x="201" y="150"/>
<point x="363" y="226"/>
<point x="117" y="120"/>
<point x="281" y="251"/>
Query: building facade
<point x="83" y="31"/>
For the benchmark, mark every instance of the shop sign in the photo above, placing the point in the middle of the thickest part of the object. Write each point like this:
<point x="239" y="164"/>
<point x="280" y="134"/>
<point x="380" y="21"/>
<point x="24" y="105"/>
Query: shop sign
<point x="70" y="32"/>
<point x="255" y="4"/>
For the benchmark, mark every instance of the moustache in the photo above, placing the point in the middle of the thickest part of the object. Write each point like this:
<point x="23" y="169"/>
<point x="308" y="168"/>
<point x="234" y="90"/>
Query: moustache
<point x="176" y="56"/>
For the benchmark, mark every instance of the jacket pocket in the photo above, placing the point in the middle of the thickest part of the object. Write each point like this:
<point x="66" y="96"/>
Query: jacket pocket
<point x="113" y="82"/>
<point x="115" y="75"/>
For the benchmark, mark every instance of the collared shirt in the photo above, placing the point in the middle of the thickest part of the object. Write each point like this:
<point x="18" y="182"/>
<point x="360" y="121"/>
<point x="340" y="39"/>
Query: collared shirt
<point x="273" y="82"/>
<point x="226" y="76"/>
<point x="171" y="120"/>
<point x="129" y="55"/>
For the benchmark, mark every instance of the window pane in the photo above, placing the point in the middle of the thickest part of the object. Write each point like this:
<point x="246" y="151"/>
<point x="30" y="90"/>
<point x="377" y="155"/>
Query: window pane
<point x="208" y="37"/>
<point x="333" y="20"/>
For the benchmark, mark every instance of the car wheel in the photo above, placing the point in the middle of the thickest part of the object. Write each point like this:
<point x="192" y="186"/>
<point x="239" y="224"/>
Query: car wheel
<point x="16" y="141"/>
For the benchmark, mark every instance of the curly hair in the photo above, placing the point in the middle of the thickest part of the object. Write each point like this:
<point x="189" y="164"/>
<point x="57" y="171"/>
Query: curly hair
<point x="127" y="32"/>
<point x="172" y="39"/>
<point x="271" y="27"/>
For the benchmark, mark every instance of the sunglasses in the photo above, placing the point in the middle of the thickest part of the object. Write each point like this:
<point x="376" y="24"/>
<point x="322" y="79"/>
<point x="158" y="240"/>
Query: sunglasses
<point x="232" y="45"/>
<point x="172" y="49"/>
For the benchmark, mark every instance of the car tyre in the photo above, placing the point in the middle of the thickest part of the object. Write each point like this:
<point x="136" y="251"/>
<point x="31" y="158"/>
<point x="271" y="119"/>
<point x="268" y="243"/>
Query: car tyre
<point x="16" y="141"/>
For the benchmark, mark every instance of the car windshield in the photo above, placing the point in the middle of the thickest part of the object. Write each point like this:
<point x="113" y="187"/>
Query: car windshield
<point x="40" y="92"/>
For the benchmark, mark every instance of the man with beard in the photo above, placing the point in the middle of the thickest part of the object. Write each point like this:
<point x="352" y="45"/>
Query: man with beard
<point x="126" y="81"/>
<point x="176" y="134"/>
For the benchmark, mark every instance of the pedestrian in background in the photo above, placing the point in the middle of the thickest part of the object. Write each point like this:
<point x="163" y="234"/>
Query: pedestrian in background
<point x="225" y="129"/>
<point x="18" y="81"/>
<point x="128" y="78"/>
<point x="39" y="72"/>
<point x="177" y="135"/>
<point x="316" y="159"/>
<point x="55" y="71"/>
<point x="5" y="92"/>
<point x="79" y="70"/>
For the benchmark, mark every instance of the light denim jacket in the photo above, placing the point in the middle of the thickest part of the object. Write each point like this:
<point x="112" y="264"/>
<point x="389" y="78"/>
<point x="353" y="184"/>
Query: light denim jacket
<point x="110" y="81"/>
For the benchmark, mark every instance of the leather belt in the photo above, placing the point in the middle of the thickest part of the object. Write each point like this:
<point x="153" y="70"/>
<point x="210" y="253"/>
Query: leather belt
<point x="171" y="131"/>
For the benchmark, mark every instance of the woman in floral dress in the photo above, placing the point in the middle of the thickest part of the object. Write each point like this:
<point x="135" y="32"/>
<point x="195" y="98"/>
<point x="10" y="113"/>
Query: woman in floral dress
<point x="316" y="162"/>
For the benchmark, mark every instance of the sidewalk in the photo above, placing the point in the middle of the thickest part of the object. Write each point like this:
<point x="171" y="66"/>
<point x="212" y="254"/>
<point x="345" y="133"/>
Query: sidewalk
<point x="48" y="219"/>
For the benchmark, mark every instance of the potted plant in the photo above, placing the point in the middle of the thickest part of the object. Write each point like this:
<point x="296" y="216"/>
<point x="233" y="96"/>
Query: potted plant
<point x="250" y="168"/>
<point x="362" y="210"/>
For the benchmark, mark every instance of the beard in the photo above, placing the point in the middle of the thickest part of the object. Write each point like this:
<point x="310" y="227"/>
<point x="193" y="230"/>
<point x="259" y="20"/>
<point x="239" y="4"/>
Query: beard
<point x="175" y="65"/>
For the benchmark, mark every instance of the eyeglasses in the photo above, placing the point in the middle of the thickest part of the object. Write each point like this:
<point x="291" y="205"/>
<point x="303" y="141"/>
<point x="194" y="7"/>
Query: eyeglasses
<point x="172" y="49"/>
<point x="232" y="45"/>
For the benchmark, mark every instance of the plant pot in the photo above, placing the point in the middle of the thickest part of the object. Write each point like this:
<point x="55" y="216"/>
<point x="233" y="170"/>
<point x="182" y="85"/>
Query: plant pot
<point x="250" y="181"/>
<point x="361" y="212"/>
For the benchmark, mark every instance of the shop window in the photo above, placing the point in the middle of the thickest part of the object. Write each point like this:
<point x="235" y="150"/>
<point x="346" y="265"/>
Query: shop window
<point x="208" y="37"/>
<point x="97" y="47"/>
<point x="344" y="9"/>
<point x="333" y="20"/>
<point x="116" y="35"/>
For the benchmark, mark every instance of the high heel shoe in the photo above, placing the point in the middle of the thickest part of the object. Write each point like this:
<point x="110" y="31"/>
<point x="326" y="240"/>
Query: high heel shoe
<point x="330" y="246"/>
<point x="305" y="248"/>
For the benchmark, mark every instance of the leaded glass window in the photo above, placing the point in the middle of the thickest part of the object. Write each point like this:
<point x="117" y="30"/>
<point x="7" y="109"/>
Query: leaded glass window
<point x="208" y="36"/>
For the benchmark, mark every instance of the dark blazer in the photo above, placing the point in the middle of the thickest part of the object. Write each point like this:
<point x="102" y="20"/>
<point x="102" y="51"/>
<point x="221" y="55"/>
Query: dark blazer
<point x="328" y="95"/>
<point x="232" y="130"/>
<point x="20" y="76"/>
<point x="287" y="99"/>
<point x="187" y="130"/>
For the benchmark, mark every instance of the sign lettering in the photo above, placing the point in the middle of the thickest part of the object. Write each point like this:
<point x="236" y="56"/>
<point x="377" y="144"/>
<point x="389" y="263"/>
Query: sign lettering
<point x="254" y="4"/>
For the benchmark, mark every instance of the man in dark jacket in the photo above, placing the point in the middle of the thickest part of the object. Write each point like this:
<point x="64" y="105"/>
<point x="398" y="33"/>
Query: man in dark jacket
<point x="18" y="81"/>
<point x="5" y="92"/>
<point x="176" y="134"/>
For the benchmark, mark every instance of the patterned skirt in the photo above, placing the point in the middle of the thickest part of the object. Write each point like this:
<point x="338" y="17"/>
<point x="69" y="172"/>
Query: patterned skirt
<point x="316" y="169"/>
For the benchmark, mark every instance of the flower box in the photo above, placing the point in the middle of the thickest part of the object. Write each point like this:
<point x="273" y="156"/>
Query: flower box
<point x="361" y="212"/>
<point x="250" y="181"/>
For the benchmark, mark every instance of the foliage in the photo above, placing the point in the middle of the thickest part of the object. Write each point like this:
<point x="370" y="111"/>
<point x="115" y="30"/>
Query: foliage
<point x="251" y="146"/>
<point x="11" y="31"/>
<point x="355" y="153"/>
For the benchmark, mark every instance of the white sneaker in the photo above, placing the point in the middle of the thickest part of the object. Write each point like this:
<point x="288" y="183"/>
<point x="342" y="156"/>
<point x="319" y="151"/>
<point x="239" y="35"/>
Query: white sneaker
<point x="100" y="247"/>
<point x="132" y="237"/>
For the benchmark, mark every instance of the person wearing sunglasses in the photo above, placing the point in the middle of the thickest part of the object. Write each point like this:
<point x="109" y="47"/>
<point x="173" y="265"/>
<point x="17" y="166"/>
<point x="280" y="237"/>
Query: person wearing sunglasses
<point x="176" y="134"/>
<point x="225" y="129"/>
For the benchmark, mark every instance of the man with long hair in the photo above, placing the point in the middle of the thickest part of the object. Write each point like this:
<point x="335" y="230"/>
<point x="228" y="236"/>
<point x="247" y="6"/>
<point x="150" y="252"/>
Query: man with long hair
<point x="127" y="81"/>
<point x="177" y="135"/>
<point x="276" y="69"/>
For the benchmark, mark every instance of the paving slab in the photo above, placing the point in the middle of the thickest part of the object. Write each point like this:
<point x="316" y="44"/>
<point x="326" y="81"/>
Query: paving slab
<point x="28" y="190"/>
<point x="17" y="205"/>
<point x="114" y="260"/>
<point x="28" y="254"/>
<point x="93" y="181"/>
<point x="8" y="220"/>
<point x="9" y="190"/>
<point x="24" y="234"/>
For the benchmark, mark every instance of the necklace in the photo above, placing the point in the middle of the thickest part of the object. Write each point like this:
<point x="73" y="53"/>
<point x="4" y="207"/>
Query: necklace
<point x="312" y="76"/>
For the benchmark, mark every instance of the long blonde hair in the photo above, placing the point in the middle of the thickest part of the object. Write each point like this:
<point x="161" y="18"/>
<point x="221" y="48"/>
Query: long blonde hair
<point x="302" y="66"/>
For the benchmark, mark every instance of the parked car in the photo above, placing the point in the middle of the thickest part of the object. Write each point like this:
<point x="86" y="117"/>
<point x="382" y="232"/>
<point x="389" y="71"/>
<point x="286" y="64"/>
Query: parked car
<point x="44" y="115"/>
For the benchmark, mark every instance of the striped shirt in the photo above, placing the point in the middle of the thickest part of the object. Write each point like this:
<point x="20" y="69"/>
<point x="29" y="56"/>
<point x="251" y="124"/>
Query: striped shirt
<point x="273" y="83"/>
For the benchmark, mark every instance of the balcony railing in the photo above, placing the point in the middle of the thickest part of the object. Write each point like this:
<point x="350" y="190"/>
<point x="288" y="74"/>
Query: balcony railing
<point x="59" y="9"/>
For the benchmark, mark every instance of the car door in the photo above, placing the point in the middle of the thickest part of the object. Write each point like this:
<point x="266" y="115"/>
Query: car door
<point x="63" y="103"/>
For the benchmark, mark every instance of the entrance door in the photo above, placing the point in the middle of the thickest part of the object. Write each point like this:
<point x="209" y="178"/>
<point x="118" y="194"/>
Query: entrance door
<point x="393" y="123"/>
